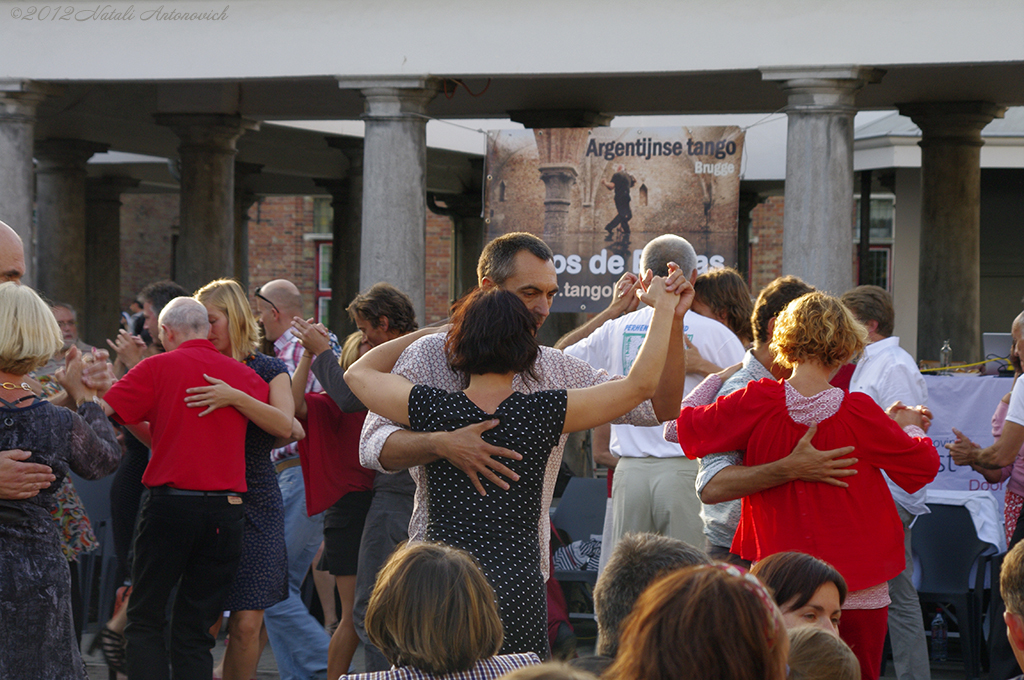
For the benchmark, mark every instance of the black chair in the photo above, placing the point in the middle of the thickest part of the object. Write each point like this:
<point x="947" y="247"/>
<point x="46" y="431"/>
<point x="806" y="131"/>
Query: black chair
<point x="580" y="514"/>
<point x="947" y="547"/>
<point x="97" y="569"/>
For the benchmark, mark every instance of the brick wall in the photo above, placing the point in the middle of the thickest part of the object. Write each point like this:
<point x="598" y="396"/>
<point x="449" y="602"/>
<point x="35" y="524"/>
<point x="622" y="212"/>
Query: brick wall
<point x="277" y="248"/>
<point x="766" y="253"/>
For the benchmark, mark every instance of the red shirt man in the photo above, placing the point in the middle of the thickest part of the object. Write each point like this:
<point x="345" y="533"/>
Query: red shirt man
<point x="191" y="520"/>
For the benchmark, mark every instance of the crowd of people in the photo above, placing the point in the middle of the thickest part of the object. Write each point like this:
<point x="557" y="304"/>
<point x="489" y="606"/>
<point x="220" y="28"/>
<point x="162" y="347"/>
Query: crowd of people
<point x="760" y="503"/>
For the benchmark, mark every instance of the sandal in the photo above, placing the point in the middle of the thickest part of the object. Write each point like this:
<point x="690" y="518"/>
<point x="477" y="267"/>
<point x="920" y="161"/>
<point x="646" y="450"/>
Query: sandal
<point x="112" y="644"/>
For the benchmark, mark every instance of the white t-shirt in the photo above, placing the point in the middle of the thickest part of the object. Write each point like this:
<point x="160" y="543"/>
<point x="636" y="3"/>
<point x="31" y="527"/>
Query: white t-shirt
<point x="1015" y="414"/>
<point x="887" y="374"/>
<point x="615" y="345"/>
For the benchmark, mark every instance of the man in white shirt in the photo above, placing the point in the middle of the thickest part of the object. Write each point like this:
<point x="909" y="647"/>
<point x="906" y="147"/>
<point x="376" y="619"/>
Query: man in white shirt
<point x="887" y="373"/>
<point x="653" y="488"/>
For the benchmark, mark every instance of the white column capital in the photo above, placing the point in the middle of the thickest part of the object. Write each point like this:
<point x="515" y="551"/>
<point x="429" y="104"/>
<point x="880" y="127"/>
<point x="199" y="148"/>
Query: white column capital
<point x="821" y="88"/>
<point x="397" y="98"/>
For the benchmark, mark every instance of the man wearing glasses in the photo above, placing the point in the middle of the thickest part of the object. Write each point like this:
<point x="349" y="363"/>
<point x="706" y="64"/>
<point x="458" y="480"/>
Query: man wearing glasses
<point x="299" y="641"/>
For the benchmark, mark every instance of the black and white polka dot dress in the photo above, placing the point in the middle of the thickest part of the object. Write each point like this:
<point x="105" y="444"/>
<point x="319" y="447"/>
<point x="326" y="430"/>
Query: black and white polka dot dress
<point x="501" y="528"/>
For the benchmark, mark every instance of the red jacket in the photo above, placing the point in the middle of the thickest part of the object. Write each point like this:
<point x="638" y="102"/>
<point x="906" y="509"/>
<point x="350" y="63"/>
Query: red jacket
<point x="856" y="529"/>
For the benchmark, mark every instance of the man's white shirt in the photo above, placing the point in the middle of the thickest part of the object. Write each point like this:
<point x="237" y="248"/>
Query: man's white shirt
<point x="614" y="347"/>
<point x="887" y="374"/>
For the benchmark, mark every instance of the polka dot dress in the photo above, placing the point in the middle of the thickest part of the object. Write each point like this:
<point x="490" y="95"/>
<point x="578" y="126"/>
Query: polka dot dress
<point x="501" y="528"/>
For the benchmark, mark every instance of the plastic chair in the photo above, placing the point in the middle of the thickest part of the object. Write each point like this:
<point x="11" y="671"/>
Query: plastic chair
<point x="100" y="563"/>
<point x="580" y="514"/>
<point x="947" y="546"/>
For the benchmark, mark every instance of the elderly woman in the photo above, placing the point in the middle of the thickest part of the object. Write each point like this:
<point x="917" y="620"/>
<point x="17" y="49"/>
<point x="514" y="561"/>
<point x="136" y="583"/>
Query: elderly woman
<point x="35" y="584"/>
<point x="432" y="613"/>
<point x="703" y="623"/>
<point x="856" y="528"/>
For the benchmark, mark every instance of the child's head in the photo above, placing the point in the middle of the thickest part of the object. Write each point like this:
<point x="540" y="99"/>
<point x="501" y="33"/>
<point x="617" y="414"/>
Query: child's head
<point x="817" y="655"/>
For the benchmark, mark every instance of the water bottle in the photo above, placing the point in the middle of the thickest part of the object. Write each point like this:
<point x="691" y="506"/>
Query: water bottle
<point x="945" y="355"/>
<point x="940" y="647"/>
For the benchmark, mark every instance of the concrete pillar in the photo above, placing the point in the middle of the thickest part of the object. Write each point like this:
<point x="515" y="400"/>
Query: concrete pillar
<point x="206" y="241"/>
<point x="18" y="103"/>
<point x="101" y="317"/>
<point x="60" y="210"/>
<point x="949" y="297"/>
<point x="819" y="171"/>
<point x="393" y="240"/>
<point x="244" y="198"/>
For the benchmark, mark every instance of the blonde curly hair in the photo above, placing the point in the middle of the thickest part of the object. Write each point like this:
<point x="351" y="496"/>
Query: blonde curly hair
<point x="817" y="327"/>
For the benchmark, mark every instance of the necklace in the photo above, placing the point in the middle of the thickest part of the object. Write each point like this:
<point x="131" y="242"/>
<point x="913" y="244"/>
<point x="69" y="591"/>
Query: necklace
<point x="15" y="386"/>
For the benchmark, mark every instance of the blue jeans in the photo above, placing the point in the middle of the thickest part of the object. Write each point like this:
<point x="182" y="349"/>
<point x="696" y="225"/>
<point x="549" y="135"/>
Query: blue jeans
<point x="297" y="638"/>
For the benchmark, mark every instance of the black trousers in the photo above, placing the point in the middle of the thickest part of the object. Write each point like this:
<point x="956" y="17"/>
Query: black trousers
<point x="194" y="543"/>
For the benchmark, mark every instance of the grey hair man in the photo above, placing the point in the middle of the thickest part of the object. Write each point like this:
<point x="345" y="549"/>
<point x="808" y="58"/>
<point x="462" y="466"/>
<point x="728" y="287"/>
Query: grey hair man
<point x="653" y="489"/>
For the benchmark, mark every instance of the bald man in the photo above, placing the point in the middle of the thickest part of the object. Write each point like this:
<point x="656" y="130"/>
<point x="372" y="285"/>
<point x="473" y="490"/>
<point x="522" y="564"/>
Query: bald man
<point x="18" y="480"/>
<point x="300" y="643"/>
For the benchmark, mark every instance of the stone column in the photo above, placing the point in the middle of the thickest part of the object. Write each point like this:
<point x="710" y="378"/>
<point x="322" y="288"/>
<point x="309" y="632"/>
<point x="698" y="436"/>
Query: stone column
<point x="819" y="171"/>
<point x="949" y="296"/>
<point x="206" y="241"/>
<point x="60" y="210"/>
<point x="18" y="103"/>
<point x="244" y="198"/>
<point x="393" y="240"/>
<point x="101" y="317"/>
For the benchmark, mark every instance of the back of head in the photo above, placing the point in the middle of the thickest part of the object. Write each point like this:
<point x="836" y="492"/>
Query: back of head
<point x="350" y="350"/>
<point x="816" y="327"/>
<point x="187" y="317"/>
<point x="727" y="294"/>
<point x="707" y="622"/>
<point x="1011" y="580"/>
<point x="228" y="297"/>
<point x="491" y="331"/>
<point x="432" y="609"/>
<point x="794" y="577"/>
<point x="160" y="293"/>
<point x="668" y="248"/>
<point x="383" y="299"/>
<point x="871" y="303"/>
<point x="638" y="559"/>
<point x="772" y="299"/>
<point x="817" y="655"/>
<point x="498" y="260"/>
<point x="551" y="670"/>
<point x="29" y="333"/>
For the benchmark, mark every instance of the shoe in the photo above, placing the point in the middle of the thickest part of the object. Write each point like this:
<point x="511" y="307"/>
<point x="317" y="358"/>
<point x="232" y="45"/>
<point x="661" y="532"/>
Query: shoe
<point x="112" y="644"/>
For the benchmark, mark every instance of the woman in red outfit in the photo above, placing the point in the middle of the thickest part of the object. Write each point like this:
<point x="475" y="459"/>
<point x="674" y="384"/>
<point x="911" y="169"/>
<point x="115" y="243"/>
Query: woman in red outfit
<point x="855" y="528"/>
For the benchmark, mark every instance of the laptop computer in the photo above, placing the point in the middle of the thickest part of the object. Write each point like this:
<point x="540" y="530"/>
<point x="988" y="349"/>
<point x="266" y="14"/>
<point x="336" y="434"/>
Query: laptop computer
<point x="996" y="346"/>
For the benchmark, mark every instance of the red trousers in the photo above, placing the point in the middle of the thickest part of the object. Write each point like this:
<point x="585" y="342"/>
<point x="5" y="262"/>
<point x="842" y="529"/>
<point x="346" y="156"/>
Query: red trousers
<point x="864" y="630"/>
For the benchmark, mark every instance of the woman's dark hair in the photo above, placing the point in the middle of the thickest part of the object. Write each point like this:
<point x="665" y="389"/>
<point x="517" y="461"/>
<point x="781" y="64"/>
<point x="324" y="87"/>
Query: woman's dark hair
<point x="491" y="332"/>
<point x="794" y="577"/>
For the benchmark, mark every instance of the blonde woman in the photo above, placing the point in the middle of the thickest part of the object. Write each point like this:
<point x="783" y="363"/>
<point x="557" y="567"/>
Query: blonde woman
<point x="261" y="580"/>
<point x="35" y="583"/>
<point x="855" y="528"/>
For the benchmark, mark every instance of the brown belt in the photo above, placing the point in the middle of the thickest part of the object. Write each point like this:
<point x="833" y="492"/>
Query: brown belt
<point x="285" y="464"/>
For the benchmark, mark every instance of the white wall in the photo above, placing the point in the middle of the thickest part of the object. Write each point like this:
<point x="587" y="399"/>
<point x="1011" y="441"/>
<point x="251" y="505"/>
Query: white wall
<point x="261" y="38"/>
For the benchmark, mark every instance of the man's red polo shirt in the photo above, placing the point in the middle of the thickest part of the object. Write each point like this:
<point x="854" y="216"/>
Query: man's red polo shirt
<point x="189" y="452"/>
